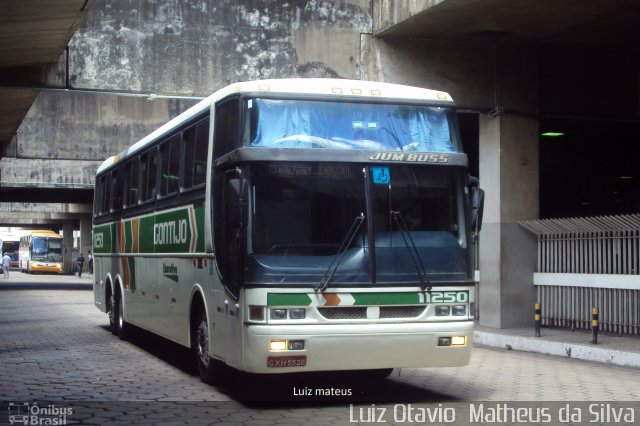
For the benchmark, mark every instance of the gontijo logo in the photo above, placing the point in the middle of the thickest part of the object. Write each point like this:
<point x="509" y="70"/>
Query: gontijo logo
<point x="172" y="232"/>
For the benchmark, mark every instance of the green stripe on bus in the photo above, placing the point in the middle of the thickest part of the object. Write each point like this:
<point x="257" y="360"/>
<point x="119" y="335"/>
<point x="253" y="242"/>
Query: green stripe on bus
<point x="374" y="299"/>
<point x="102" y="239"/>
<point x="288" y="299"/>
<point x="175" y="231"/>
<point x="128" y="237"/>
<point x="199" y="215"/>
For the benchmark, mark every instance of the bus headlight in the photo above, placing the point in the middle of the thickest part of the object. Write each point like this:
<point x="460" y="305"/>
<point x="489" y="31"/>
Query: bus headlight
<point x="459" y="341"/>
<point x="277" y="345"/>
<point x="278" y="314"/>
<point x="459" y="310"/>
<point x="283" y="314"/>
<point x="443" y="311"/>
<point x="452" y="341"/>
<point x="297" y="313"/>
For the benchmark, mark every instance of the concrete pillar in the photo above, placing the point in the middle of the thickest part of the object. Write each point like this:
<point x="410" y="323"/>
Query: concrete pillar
<point x="509" y="175"/>
<point x="67" y="242"/>
<point x="85" y="237"/>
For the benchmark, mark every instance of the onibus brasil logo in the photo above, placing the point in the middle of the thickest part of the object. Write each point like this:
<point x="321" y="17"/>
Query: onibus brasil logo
<point x="24" y="413"/>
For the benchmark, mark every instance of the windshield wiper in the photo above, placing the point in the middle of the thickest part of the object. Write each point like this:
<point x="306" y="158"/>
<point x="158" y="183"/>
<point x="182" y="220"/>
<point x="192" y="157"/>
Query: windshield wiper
<point x="425" y="281"/>
<point x="333" y="267"/>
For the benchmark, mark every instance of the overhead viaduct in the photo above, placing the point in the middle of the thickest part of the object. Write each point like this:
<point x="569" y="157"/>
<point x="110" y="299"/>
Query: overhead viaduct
<point x="82" y="79"/>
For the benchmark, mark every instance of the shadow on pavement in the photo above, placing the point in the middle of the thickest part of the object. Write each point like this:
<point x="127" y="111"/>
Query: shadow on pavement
<point x="26" y="285"/>
<point x="286" y="390"/>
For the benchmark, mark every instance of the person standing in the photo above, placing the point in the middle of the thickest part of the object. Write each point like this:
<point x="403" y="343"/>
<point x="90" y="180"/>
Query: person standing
<point x="79" y="265"/>
<point x="90" y="262"/>
<point x="6" y="264"/>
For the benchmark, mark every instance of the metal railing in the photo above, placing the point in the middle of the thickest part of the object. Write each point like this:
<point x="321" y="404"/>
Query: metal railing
<point x="571" y="307"/>
<point x="585" y="263"/>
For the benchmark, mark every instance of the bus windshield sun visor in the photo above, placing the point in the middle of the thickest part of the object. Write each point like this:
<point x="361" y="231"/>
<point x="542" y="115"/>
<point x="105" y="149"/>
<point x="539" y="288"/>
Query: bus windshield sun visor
<point x="344" y="125"/>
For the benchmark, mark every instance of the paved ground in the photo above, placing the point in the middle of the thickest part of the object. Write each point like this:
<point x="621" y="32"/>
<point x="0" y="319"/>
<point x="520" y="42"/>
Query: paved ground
<point x="55" y="349"/>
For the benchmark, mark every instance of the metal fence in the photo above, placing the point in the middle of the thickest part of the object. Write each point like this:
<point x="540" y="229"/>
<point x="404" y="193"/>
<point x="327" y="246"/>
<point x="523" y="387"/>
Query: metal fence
<point x="571" y="307"/>
<point x="585" y="263"/>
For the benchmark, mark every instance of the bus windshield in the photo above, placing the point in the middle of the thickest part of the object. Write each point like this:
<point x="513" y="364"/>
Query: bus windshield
<point x="347" y="125"/>
<point x="304" y="217"/>
<point x="46" y="249"/>
<point x="11" y="249"/>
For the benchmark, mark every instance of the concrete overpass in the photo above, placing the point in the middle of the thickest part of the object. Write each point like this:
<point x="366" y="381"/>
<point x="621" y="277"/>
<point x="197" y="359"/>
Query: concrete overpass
<point x="514" y="67"/>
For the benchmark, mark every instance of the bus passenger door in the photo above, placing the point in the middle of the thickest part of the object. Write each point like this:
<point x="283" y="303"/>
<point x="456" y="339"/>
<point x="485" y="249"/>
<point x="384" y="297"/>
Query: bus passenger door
<point x="230" y="254"/>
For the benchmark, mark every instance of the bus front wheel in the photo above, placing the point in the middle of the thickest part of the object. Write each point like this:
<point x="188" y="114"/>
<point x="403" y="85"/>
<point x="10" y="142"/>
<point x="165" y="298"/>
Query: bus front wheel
<point x="377" y="374"/>
<point x="211" y="370"/>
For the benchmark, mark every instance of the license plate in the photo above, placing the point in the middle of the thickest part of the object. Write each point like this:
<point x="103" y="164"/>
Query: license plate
<point x="287" y="361"/>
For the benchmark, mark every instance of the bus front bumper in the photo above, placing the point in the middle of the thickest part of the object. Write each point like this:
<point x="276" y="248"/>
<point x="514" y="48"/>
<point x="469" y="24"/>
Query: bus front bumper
<point x="46" y="267"/>
<point x="356" y="346"/>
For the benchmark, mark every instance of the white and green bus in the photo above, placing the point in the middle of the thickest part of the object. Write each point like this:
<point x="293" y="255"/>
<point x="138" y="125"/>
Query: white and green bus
<point x="295" y="225"/>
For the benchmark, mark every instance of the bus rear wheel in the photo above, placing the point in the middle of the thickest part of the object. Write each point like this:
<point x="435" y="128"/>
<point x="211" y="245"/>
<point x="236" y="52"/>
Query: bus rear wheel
<point x="211" y="370"/>
<point x="111" y="312"/>
<point x="121" y="326"/>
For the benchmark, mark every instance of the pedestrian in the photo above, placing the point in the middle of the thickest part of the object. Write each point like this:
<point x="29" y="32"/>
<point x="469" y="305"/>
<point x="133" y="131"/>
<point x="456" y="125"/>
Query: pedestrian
<point x="90" y="262"/>
<point x="79" y="265"/>
<point x="6" y="264"/>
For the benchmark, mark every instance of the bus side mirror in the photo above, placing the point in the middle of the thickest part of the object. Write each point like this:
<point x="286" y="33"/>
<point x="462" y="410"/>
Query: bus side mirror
<point x="237" y="196"/>
<point x="476" y="198"/>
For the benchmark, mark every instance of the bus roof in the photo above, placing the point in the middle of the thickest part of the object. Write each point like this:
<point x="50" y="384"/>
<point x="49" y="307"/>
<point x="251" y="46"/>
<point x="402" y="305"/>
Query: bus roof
<point x="42" y="233"/>
<point x="340" y="88"/>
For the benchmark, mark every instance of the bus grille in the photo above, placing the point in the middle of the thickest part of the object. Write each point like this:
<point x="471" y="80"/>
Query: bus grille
<point x="359" y="312"/>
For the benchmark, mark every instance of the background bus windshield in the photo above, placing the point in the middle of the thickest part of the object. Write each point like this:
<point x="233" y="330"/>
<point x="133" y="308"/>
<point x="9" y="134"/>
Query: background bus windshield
<point x="46" y="249"/>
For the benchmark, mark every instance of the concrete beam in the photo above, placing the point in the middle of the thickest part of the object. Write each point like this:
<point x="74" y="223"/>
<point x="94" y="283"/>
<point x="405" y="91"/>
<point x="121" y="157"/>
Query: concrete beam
<point x="35" y="214"/>
<point x="46" y="208"/>
<point x="45" y="173"/>
<point x="388" y="14"/>
<point x="89" y="126"/>
<point x="36" y="32"/>
<point x="14" y="106"/>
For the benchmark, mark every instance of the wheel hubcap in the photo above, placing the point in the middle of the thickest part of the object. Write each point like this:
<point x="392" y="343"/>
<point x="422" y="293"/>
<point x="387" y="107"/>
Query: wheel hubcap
<point x="202" y="342"/>
<point x="112" y="320"/>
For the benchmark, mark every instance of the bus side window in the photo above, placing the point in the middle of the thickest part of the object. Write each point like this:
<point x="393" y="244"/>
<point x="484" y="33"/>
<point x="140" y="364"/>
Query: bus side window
<point x="125" y="173"/>
<point x="195" y="168"/>
<point x="148" y="168"/>
<point x="169" y="176"/>
<point x="106" y="193"/>
<point x="116" y="190"/>
<point x="200" y="155"/>
<point x="133" y="182"/>
<point x="97" y="208"/>
<point x="189" y="149"/>
<point x="227" y="127"/>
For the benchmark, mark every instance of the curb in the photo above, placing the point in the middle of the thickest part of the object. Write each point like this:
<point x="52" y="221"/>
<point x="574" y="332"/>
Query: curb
<point x="571" y="350"/>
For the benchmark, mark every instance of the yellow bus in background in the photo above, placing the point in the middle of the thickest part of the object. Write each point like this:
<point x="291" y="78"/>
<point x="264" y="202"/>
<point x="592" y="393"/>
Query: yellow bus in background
<point x="41" y="251"/>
